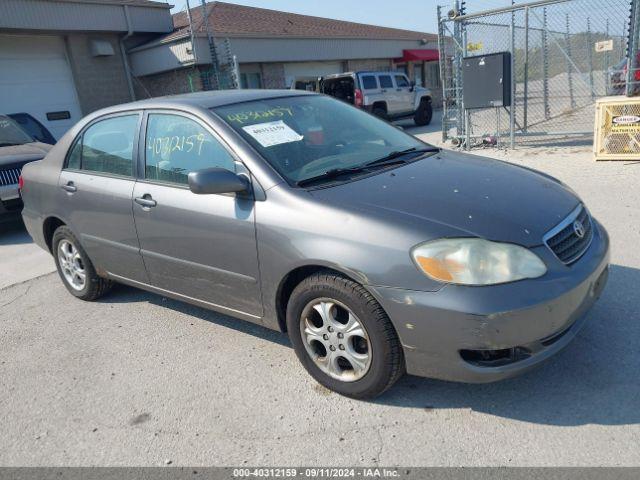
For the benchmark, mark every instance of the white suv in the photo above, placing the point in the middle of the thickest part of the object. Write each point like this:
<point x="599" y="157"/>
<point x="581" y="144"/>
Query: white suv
<point x="388" y="95"/>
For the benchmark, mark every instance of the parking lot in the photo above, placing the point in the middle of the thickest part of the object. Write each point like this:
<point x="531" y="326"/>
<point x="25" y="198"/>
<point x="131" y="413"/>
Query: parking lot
<point x="137" y="379"/>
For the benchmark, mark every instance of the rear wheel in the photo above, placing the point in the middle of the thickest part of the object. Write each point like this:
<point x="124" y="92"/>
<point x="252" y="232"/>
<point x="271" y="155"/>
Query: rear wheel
<point x="343" y="337"/>
<point x="379" y="112"/>
<point x="75" y="267"/>
<point x="424" y="113"/>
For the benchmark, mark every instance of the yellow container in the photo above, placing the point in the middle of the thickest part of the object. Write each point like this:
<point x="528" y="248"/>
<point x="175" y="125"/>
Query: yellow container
<point x="617" y="128"/>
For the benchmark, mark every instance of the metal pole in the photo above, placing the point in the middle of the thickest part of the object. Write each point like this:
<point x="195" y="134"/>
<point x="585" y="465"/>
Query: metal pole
<point x="467" y="126"/>
<point x="192" y="34"/>
<point x="443" y="80"/>
<point x="236" y="72"/>
<point x="526" y="69"/>
<point x="590" y="57"/>
<point x="567" y="37"/>
<point x="457" y="34"/>
<point x="512" y="110"/>
<point x="606" y="57"/>
<point x="545" y="65"/>
<point x="632" y="47"/>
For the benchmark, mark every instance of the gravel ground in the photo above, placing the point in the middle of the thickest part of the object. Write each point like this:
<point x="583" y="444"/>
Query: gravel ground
<point x="136" y="379"/>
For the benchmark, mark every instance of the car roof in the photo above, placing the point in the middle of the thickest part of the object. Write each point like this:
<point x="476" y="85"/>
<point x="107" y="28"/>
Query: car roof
<point x="211" y="99"/>
<point x="362" y="72"/>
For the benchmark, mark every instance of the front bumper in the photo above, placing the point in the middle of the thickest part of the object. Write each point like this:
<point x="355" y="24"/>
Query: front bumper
<point x="454" y="333"/>
<point x="10" y="202"/>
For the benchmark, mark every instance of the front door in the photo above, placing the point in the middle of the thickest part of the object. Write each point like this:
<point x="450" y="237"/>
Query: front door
<point x="96" y="186"/>
<point x="404" y="93"/>
<point x="199" y="246"/>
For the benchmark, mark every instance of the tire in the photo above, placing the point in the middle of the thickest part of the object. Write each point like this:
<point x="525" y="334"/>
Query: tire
<point x="72" y="262"/>
<point x="379" y="112"/>
<point x="375" y="345"/>
<point x="424" y="113"/>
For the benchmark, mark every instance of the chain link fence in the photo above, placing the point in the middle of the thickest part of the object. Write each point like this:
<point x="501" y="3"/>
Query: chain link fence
<point x="564" y="55"/>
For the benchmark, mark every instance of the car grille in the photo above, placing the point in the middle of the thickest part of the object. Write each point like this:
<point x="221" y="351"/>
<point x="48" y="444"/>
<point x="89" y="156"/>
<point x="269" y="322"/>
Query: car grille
<point x="9" y="176"/>
<point x="565" y="239"/>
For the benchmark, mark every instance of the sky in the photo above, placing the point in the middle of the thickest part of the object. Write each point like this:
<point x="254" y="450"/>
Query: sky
<point x="417" y="15"/>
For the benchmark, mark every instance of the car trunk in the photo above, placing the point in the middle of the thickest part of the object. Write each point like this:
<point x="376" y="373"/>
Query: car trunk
<point x="342" y="88"/>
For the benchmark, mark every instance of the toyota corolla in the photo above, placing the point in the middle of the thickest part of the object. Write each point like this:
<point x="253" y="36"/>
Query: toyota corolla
<point x="377" y="253"/>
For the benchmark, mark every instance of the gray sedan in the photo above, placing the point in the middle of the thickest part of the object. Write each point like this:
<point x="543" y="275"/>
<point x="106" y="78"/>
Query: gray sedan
<point x="377" y="253"/>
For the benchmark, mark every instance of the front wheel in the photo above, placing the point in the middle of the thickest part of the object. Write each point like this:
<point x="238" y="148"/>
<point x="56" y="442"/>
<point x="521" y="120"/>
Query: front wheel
<point x="343" y="337"/>
<point x="424" y="113"/>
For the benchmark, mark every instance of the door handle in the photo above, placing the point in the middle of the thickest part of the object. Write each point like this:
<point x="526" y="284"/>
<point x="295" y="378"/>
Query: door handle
<point x="398" y="89"/>
<point x="69" y="187"/>
<point x="145" y="201"/>
<point x="383" y="90"/>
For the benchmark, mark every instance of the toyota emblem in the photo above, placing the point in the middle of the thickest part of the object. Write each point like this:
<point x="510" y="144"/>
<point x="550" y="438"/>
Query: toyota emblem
<point x="578" y="229"/>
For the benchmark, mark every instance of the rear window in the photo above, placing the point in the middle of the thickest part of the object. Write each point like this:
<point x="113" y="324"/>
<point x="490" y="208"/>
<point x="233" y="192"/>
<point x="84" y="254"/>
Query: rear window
<point x="369" y="82"/>
<point x="106" y="146"/>
<point x="385" y="81"/>
<point x="33" y="127"/>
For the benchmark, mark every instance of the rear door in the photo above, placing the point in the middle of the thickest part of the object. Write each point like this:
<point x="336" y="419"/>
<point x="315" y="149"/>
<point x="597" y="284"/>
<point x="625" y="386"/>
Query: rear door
<point x="370" y="88"/>
<point x="388" y="93"/>
<point x="404" y="94"/>
<point x="96" y="187"/>
<point x="199" y="246"/>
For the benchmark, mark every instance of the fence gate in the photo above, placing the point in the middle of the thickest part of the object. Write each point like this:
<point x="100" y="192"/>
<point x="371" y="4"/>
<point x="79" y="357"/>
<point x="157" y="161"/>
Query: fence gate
<point x="564" y="55"/>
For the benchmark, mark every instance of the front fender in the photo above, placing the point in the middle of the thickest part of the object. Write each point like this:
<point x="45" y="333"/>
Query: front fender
<point x="420" y="94"/>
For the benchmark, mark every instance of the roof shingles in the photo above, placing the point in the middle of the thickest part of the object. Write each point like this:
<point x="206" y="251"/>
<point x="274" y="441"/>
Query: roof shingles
<point x="226" y="19"/>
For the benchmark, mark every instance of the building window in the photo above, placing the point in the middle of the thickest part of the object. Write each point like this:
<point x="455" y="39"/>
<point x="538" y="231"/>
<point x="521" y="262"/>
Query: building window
<point x="250" y="80"/>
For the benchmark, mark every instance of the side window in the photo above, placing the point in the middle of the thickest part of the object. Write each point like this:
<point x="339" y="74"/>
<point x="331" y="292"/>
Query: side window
<point x="369" y="82"/>
<point x="73" y="160"/>
<point x="385" y="81"/>
<point x="177" y="145"/>
<point x="106" y="146"/>
<point x="401" y="81"/>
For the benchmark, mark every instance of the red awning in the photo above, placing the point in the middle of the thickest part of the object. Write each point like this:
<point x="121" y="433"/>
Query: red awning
<point x="418" y="55"/>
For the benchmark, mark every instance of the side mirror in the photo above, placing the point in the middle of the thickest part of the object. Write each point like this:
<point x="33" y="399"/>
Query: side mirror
<point x="216" y="180"/>
<point x="412" y="86"/>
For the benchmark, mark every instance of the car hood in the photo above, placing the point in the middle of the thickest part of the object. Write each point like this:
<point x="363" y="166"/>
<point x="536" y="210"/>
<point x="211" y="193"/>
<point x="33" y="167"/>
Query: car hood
<point x="27" y="152"/>
<point x="471" y="195"/>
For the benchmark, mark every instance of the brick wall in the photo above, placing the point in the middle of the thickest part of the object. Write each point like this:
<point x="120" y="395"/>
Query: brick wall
<point x="371" y="64"/>
<point x="168" y="83"/>
<point x="273" y="75"/>
<point x="100" y="81"/>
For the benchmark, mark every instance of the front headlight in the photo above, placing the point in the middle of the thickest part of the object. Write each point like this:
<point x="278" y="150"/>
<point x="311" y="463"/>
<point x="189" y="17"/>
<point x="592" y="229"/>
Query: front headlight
<point x="474" y="261"/>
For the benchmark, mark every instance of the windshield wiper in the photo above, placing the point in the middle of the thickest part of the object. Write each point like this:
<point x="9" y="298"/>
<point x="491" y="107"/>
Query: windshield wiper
<point x="9" y="144"/>
<point x="393" y="157"/>
<point x="390" y="159"/>
<point x="329" y="174"/>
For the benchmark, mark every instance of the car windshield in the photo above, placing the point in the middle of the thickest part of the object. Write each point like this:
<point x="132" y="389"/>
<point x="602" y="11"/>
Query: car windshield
<point x="305" y="137"/>
<point x="11" y="133"/>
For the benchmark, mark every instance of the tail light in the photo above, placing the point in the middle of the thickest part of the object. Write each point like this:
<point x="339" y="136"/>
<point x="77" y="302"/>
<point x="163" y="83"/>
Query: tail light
<point x="20" y="183"/>
<point x="358" y="98"/>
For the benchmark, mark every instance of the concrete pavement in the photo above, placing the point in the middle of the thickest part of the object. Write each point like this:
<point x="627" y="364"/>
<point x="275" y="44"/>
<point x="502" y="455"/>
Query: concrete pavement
<point x="20" y="258"/>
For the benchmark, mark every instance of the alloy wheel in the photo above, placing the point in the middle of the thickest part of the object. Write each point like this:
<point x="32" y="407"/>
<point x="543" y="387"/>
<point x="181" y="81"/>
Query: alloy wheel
<point x="335" y="339"/>
<point x="72" y="265"/>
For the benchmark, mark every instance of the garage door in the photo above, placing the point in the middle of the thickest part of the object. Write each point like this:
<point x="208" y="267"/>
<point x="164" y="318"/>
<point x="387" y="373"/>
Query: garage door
<point x="309" y="69"/>
<point x="35" y="78"/>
